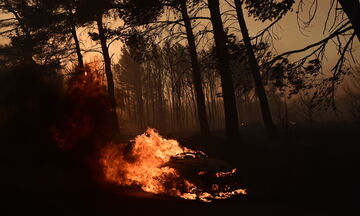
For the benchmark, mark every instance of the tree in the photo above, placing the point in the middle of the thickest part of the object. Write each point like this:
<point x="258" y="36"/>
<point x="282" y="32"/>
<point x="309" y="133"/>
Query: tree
<point x="341" y="31"/>
<point x="200" y="99"/>
<point x="255" y="69"/>
<point x="40" y="27"/>
<point x="223" y="64"/>
<point x="138" y="13"/>
<point x="131" y="76"/>
<point x="352" y="8"/>
<point x="94" y="11"/>
<point x="41" y="30"/>
<point x="18" y="25"/>
<point x="69" y="7"/>
<point x="66" y="10"/>
<point x="32" y="38"/>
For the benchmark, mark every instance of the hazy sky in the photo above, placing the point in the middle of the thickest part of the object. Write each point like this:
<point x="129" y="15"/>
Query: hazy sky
<point x="287" y="30"/>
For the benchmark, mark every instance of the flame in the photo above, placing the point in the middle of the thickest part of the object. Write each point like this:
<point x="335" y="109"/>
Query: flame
<point x="223" y="174"/>
<point x="144" y="165"/>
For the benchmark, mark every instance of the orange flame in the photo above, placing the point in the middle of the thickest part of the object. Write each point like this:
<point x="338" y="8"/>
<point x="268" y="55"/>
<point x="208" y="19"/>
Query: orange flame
<point x="145" y="166"/>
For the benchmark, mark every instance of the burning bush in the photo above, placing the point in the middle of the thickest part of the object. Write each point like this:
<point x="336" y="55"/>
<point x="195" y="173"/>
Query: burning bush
<point x="84" y="124"/>
<point x="85" y="120"/>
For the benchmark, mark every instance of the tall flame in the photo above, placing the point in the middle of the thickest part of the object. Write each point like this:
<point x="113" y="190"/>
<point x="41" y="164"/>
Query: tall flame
<point x="144" y="165"/>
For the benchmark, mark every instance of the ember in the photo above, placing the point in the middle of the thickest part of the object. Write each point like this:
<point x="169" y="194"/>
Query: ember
<point x="145" y="165"/>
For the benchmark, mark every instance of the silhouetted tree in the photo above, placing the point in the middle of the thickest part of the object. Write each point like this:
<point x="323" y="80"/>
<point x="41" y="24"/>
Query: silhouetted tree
<point x="131" y="75"/>
<point x="200" y="99"/>
<point x="138" y="13"/>
<point x="337" y="25"/>
<point x="94" y="11"/>
<point x="34" y="32"/>
<point x="264" y="10"/>
<point x="69" y="7"/>
<point x="352" y="8"/>
<point x="41" y="30"/>
<point x="231" y="116"/>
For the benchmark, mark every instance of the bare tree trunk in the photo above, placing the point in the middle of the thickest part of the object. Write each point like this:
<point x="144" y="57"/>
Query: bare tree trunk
<point x="160" y="92"/>
<point x="76" y="41"/>
<point x="212" y="87"/>
<point x="109" y="75"/>
<point x="200" y="99"/>
<point x="255" y="69"/>
<point x="148" y="99"/>
<point x="231" y="117"/>
<point x="179" y="114"/>
<point x="209" y="106"/>
<point x="352" y="10"/>
<point x="139" y="99"/>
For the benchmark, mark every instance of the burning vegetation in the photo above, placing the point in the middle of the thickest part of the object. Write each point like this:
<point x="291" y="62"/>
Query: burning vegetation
<point x="85" y="119"/>
<point x="149" y="162"/>
<point x="146" y="164"/>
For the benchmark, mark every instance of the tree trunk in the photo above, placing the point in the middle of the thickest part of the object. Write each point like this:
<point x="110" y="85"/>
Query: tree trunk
<point x="352" y="10"/>
<point x="255" y="69"/>
<point x="139" y="99"/>
<point x="231" y="117"/>
<point x="76" y="41"/>
<point x="109" y="75"/>
<point x="160" y="96"/>
<point x="200" y="99"/>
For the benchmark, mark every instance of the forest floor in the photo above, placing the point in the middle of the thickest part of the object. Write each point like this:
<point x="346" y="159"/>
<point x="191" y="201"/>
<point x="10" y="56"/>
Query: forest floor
<point x="311" y="171"/>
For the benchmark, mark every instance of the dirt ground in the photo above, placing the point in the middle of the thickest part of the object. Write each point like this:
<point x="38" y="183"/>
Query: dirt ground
<point x="312" y="171"/>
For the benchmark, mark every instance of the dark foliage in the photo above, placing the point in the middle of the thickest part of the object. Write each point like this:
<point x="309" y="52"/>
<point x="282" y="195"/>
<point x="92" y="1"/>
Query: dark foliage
<point x="138" y="12"/>
<point x="30" y="102"/>
<point x="88" y="10"/>
<point x="38" y="32"/>
<point x="140" y="44"/>
<point x="268" y="9"/>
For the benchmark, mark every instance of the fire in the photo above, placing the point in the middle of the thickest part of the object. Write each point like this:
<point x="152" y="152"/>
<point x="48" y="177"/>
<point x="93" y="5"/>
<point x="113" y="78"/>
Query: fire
<point x="145" y="165"/>
<point x="86" y="110"/>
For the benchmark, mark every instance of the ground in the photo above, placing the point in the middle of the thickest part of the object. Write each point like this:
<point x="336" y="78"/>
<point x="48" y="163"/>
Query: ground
<point x="312" y="171"/>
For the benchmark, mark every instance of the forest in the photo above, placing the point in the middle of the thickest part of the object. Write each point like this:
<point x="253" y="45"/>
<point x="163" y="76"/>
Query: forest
<point x="199" y="107"/>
